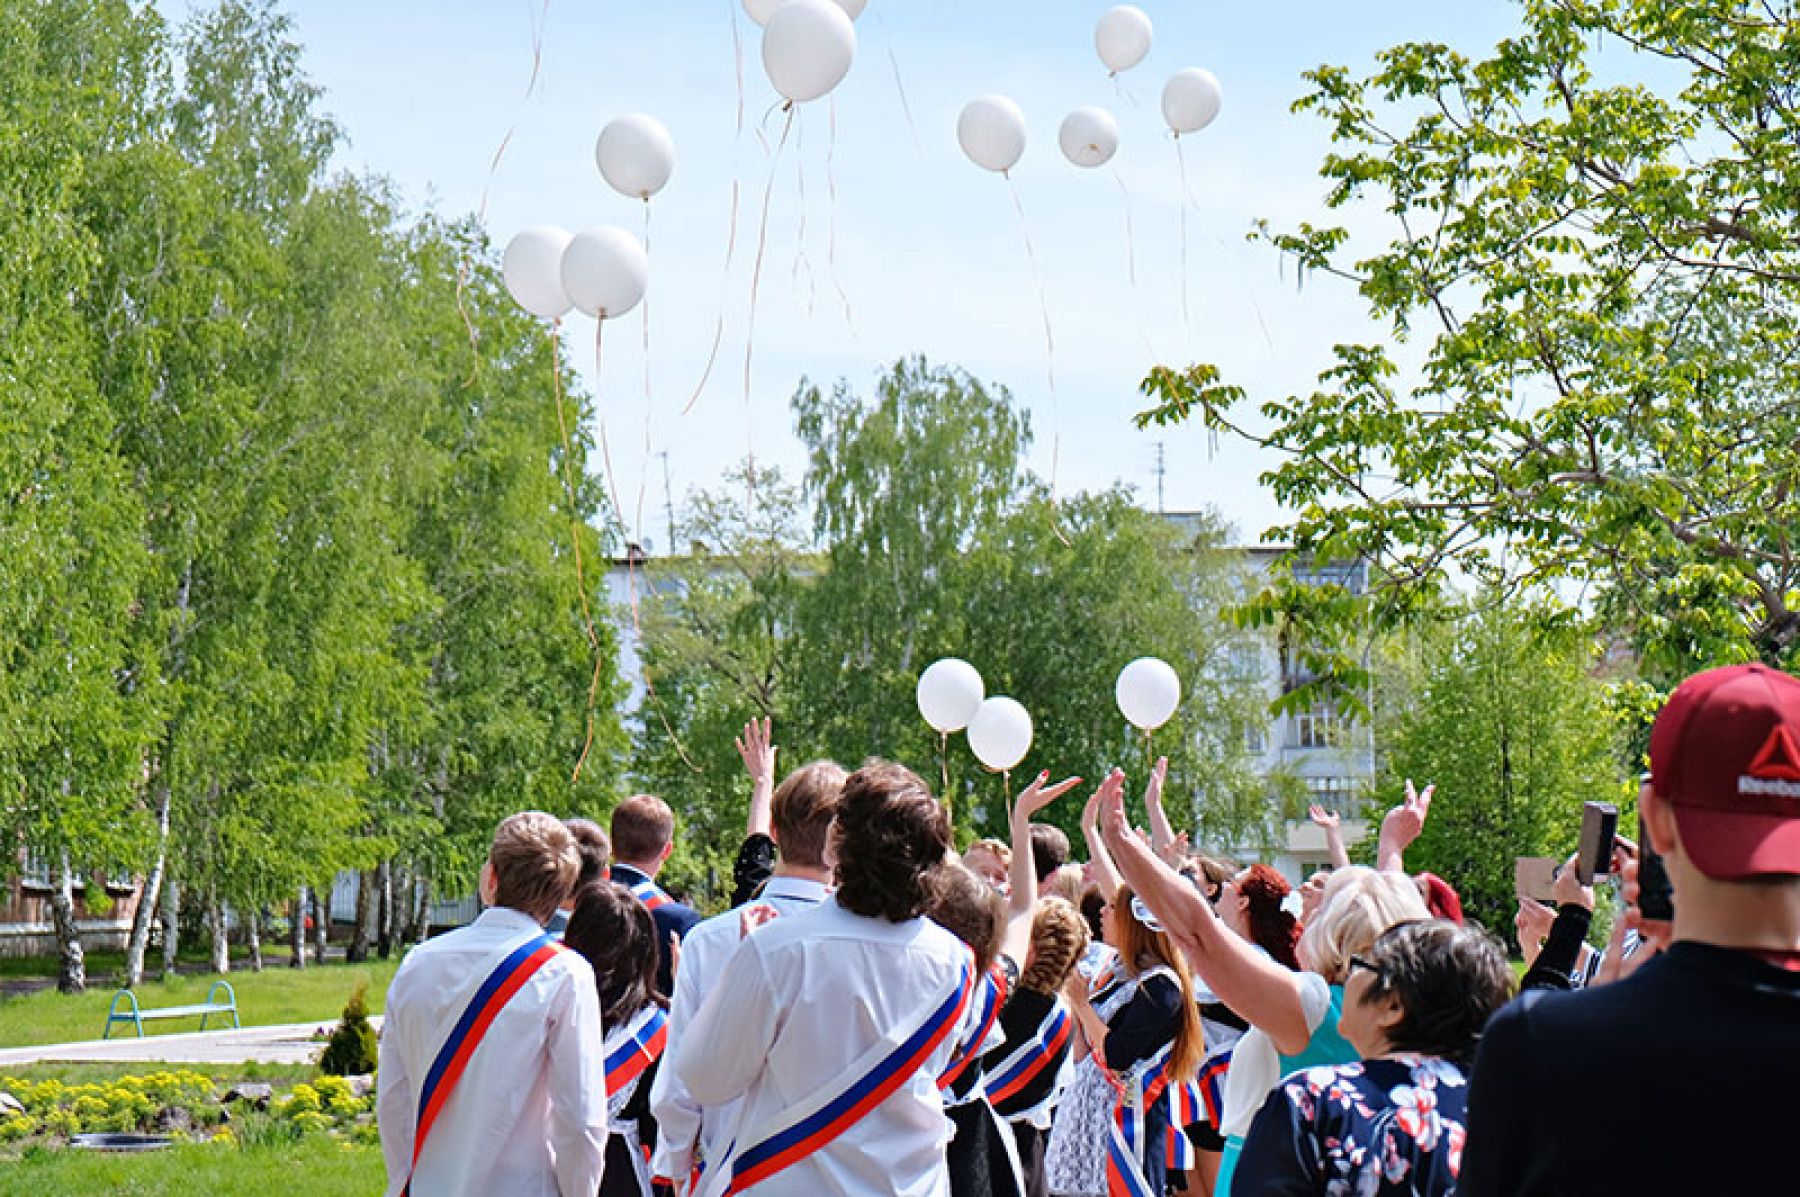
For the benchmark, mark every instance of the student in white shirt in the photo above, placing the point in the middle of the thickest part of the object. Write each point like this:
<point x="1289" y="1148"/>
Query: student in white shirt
<point x="528" y="1116"/>
<point x="801" y="812"/>
<point x="814" y="1002"/>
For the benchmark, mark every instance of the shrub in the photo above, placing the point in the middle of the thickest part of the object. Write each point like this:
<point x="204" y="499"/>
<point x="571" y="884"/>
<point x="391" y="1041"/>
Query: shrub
<point x="352" y="1050"/>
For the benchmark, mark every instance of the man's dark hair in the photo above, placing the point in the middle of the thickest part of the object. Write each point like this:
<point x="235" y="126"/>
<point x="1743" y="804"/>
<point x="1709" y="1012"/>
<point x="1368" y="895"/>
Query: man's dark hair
<point x="802" y="810"/>
<point x="642" y="826"/>
<point x="1049" y="850"/>
<point x="890" y="833"/>
<point x="1449" y="980"/>
<point x="595" y="848"/>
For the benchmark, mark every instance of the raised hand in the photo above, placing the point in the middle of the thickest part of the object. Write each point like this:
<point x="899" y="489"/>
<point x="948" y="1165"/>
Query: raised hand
<point x="757" y="748"/>
<point x="1036" y="796"/>
<point x="1402" y="826"/>
<point x="1330" y="820"/>
<point x="756" y="914"/>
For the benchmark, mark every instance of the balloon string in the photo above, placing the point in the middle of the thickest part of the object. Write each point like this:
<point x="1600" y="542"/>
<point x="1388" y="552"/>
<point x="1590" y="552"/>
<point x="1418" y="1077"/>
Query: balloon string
<point x="1187" y="319"/>
<point x="1131" y="257"/>
<point x="462" y="266"/>
<point x="831" y="193"/>
<point x="712" y="355"/>
<point x="581" y="590"/>
<point x="1037" y="278"/>
<point x="801" y="262"/>
<point x="644" y="465"/>
<point x="762" y="245"/>
<point x="899" y="85"/>
<point x="944" y="761"/>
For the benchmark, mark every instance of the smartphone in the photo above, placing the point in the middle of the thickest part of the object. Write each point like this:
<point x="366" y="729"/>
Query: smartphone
<point x="1599" y="820"/>
<point x="1656" y="896"/>
<point x="1534" y="878"/>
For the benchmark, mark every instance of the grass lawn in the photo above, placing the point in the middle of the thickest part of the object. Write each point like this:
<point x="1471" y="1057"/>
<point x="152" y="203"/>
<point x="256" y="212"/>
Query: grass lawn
<point x="318" y="1166"/>
<point x="273" y="996"/>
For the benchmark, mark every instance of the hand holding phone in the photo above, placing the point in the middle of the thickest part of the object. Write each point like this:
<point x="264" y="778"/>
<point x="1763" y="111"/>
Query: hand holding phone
<point x="1599" y="820"/>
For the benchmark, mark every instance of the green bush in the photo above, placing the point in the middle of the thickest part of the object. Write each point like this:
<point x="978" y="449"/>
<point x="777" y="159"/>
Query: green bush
<point x="353" y="1050"/>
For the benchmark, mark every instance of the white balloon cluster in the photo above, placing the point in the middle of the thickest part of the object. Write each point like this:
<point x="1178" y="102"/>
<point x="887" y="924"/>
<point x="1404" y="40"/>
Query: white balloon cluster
<point x="991" y="129"/>
<point x="953" y="697"/>
<point x="808" y="45"/>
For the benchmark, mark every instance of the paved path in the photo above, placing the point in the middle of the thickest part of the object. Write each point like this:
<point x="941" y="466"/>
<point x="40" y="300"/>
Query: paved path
<point x="291" y="1044"/>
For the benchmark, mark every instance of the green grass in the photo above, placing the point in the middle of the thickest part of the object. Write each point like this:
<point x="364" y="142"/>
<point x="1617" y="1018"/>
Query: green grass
<point x="274" y="996"/>
<point x="317" y="1166"/>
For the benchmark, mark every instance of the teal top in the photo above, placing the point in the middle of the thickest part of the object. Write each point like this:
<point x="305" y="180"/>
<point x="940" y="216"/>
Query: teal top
<point x="1326" y="1048"/>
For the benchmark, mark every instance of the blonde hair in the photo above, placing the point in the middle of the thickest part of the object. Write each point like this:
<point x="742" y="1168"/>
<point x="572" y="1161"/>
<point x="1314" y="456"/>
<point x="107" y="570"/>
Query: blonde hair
<point x="535" y="863"/>
<point x="994" y="848"/>
<point x="1066" y="883"/>
<point x="1359" y="904"/>
<point x="1059" y="935"/>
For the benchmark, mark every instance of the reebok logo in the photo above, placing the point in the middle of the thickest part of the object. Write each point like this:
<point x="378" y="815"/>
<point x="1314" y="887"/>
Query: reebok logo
<point x="1776" y="769"/>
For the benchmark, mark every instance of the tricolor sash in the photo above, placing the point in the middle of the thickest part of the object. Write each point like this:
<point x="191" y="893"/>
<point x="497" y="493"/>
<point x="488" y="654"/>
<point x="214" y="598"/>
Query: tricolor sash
<point x="992" y="996"/>
<point x="634" y="1048"/>
<point x="507" y="978"/>
<point x="650" y="894"/>
<point x="807" y="1127"/>
<point x="1022" y="1069"/>
<point x="1212" y="1085"/>
<point x="1127" y="1141"/>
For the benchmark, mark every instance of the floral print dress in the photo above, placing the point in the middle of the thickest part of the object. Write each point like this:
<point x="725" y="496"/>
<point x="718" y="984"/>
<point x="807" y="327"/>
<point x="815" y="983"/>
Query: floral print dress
<point x="1391" y="1127"/>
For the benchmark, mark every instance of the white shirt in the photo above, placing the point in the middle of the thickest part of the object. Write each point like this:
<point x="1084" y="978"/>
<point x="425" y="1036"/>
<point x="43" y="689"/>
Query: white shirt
<point x="680" y="1121"/>
<point x="1256" y="1065"/>
<point x="799" y="1002"/>
<point x="528" y="1118"/>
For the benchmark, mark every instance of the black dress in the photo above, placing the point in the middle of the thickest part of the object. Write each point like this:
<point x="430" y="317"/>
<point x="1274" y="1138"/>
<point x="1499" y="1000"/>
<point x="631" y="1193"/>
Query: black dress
<point x="977" y="1158"/>
<point x="1020" y="1019"/>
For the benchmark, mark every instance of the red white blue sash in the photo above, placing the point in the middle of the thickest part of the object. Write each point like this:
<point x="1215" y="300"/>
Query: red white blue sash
<point x="1018" y="1072"/>
<point x="630" y="1051"/>
<point x="992" y="996"/>
<point x="871" y="1085"/>
<point x="507" y="978"/>
<point x="1212" y="1085"/>
<point x="1126" y="1137"/>
<point x="650" y="894"/>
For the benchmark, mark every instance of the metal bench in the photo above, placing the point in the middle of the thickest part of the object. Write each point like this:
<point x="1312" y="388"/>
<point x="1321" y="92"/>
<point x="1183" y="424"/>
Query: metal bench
<point x="137" y="1015"/>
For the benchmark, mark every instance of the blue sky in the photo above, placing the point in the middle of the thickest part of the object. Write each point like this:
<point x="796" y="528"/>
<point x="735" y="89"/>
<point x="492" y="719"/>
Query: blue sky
<point x="882" y="239"/>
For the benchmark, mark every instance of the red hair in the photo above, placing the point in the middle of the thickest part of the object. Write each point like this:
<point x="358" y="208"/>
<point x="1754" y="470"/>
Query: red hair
<point x="1441" y="898"/>
<point x="1272" y="929"/>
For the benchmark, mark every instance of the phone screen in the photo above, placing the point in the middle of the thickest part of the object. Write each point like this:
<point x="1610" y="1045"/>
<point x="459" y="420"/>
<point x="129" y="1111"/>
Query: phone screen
<point x="1656" y="896"/>
<point x="1599" y="820"/>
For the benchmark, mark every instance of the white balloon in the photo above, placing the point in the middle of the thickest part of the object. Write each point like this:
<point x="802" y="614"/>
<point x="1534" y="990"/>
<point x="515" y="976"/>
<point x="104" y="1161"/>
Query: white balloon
<point x="807" y="48"/>
<point x="1191" y="99"/>
<point x="1089" y="137"/>
<point x="991" y="131"/>
<point x="950" y="692"/>
<point x="761" y="10"/>
<point x="1000" y="733"/>
<point x="1148" y="691"/>
<point x="532" y="270"/>
<point x="852" y="8"/>
<point x="1122" y="37"/>
<point x="636" y="155"/>
<point x="605" y="271"/>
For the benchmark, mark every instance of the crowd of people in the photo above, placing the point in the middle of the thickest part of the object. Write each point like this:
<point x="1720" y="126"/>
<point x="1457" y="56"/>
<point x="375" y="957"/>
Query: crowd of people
<point x="879" y="1014"/>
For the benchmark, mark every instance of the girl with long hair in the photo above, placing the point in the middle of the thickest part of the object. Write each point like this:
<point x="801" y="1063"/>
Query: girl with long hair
<point x="613" y="930"/>
<point x="1142" y="1040"/>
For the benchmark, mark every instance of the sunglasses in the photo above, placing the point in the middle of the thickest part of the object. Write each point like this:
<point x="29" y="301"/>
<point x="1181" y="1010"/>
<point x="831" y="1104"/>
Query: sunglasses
<point x="1357" y="962"/>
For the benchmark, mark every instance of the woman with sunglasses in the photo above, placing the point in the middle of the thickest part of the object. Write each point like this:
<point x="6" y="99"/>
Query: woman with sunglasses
<point x="1392" y="1123"/>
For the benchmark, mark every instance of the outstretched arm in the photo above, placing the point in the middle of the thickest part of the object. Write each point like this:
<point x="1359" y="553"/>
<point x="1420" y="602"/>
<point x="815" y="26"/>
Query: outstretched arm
<point x="757" y="748"/>
<point x="1163" y="840"/>
<point x="1401" y="827"/>
<point x="1253" y="985"/>
<point x="1332" y="824"/>
<point x="1016" y="942"/>
<point x="1106" y="875"/>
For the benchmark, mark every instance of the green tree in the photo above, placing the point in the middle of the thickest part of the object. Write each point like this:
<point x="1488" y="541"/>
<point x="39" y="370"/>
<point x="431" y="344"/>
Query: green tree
<point x="1505" y="711"/>
<point x="1593" y="247"/>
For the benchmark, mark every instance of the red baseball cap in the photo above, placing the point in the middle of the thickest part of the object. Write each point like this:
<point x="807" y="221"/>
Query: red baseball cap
<point x="1725" y="754"/>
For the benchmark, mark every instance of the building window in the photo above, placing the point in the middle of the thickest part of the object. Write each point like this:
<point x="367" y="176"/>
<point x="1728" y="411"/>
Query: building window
<point x="1317" y="728"/>
<point x="1340" y="794"/>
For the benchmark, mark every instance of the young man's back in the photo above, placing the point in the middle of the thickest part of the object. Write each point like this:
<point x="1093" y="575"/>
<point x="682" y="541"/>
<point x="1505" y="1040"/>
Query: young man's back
<point x="527" y="1117"/>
